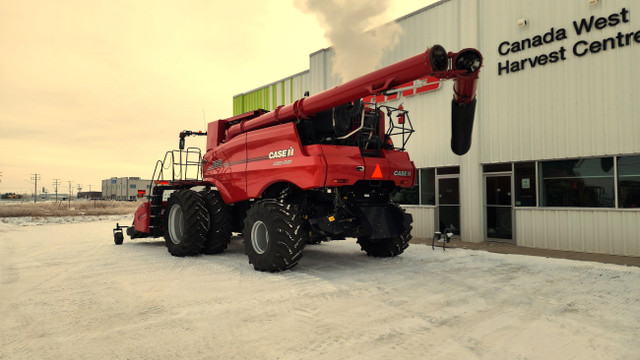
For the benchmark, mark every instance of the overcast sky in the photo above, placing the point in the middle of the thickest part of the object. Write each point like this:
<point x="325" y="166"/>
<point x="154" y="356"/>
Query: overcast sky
<point x="95" y="89"/>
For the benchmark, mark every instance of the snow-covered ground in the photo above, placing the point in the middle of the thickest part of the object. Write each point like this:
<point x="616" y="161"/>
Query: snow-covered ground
<point x="67" y="292"/>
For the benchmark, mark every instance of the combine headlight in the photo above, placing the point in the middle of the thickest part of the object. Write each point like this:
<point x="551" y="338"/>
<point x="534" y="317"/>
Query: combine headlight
<point x="438" y="58"/>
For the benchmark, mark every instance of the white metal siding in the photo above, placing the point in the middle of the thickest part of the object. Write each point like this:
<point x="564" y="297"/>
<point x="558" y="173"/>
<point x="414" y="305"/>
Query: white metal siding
<point x="300" y="85"/>
<point x="582" y="106"/>
<point x="423" y="220"/>
<point x="320" y="71"/>
<point x="596" y="231"/>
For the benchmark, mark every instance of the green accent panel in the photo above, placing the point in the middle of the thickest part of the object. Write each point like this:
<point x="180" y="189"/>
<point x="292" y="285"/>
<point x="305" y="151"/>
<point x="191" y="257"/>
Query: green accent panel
<point x="269" y="97"/>
<point x="265" y="98"/>
<point x="238" y="104"/>
<point x="258" y="99"/>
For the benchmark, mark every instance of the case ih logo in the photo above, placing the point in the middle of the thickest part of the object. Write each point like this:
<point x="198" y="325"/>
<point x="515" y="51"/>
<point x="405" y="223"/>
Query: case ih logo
<point x="278" y="154"/>
<point x="425" y="84"/>
<point x="402" y="173"/>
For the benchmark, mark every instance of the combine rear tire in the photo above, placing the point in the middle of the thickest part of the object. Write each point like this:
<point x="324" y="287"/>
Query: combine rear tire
<point x="393" y="246"/>
<point x="219" y="223"/>
<point x="274" y="235"/>
<point x="186" y="223"/>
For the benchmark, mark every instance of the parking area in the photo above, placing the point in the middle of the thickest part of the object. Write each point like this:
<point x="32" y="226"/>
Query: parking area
<point x="68" y="292"/>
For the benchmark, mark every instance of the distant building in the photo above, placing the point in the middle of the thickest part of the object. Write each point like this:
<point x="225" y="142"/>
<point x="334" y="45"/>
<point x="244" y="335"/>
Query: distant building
<point x="90" y="195"/>
<point x="125" y="188"/>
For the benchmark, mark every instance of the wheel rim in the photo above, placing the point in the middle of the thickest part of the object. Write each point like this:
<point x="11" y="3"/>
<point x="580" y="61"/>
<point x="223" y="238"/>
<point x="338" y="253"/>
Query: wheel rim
<point x="259" y="237"/>
<point x="176" y="224"/>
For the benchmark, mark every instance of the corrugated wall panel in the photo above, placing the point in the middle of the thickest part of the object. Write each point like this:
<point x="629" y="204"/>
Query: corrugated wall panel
<point x="272" y="95"/>
<point x="318" y="70"/>
<point x="586" y="230"/>
<point x="286" y="91"/>
<point x="581" y="106"/>
<point x="423" y="220"/>
<point x="430" y="112"/>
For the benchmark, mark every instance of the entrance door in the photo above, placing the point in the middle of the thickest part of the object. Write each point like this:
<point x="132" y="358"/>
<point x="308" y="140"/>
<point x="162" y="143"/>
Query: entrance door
<point x="499" y="208"/>
<point x="449" y="204"/>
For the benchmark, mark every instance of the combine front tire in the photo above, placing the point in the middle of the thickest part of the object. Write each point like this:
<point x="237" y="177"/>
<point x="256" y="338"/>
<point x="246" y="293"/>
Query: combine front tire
<point x="186" y="223"/>
<point x="393" y="246"/>
<point x="274" y="235"/>
<point x="118" y="238"/>
<point x="219" y="223"/>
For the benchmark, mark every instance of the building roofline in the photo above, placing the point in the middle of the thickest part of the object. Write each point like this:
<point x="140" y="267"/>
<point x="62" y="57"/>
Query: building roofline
<point x="273" y="83"/>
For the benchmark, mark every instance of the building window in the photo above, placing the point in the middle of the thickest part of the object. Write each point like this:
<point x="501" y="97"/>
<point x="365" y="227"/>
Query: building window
<point x="132" y="186"/>
<point x="629" y="181"/>
<point x="525" y="183"/>
<point x="423" y="193"/>
<point x="427" y="186"/>
<point x="577" y="183"/>
<point x="406" y="196"/>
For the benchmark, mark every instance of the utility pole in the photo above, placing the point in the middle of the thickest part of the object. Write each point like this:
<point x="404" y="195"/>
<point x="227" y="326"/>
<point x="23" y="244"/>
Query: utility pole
<point x="70" y="189"/>
<point x="35" y="178"/>
<point x="79" y="189"/>
<point x="56" y="182"/>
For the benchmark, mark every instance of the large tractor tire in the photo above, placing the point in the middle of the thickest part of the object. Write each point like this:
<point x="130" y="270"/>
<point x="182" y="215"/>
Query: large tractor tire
<point x="186" y="223"/>
<point x="219" y="234"/>
<point x="393" y="246"/>
<point x="274" y="235"/>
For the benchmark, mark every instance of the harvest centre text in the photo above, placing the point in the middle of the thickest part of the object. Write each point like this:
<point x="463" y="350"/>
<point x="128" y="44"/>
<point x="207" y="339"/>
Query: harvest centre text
<point x="579" y="48"/>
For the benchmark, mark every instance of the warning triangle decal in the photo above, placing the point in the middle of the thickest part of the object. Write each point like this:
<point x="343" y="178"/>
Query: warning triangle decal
<point x="377" y="173"/>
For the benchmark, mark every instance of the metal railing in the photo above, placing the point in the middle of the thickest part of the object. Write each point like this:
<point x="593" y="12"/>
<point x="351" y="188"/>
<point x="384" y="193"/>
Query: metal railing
<point x="184" y="164"/>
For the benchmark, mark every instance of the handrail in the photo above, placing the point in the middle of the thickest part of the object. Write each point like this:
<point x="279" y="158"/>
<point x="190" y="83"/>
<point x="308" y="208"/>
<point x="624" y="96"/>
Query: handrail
<point x="182" y="171"/>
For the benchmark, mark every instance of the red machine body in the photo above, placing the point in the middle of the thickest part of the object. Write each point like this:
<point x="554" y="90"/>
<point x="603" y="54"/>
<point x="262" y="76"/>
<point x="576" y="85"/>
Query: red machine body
<point x="248" y="164"/>
<point x="141" y="217"/>
<point x="324" y="167"/>
<point x="250" y="152"/>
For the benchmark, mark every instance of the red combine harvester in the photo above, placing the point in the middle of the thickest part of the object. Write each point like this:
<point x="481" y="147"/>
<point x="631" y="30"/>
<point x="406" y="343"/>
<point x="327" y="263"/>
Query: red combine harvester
<point x="321" y="168"/>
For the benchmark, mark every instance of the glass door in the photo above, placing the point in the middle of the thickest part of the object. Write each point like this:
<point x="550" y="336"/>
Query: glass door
<point x="449" y="204"/>
<point x="499" y="208"/>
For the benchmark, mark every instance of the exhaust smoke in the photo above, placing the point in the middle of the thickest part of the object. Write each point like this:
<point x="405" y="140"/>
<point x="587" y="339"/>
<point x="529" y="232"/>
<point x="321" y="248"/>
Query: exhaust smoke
<point x="357" y="50"/>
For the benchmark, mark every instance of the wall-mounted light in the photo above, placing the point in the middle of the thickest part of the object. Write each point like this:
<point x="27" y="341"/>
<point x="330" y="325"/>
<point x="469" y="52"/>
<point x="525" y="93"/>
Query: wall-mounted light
<point x="522" y="22"/>
<point x="593" y="2"/>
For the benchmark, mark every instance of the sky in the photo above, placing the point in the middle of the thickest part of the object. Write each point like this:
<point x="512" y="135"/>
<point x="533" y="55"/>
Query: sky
<point x="96" y="89"/>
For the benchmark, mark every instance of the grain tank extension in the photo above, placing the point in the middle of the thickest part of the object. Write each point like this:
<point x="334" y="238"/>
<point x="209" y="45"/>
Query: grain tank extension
<point x="322" y="168"/>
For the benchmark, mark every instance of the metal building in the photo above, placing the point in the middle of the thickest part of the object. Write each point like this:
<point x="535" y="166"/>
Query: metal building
<point x="125" y="188"/>
<point x="555" y="160"/>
